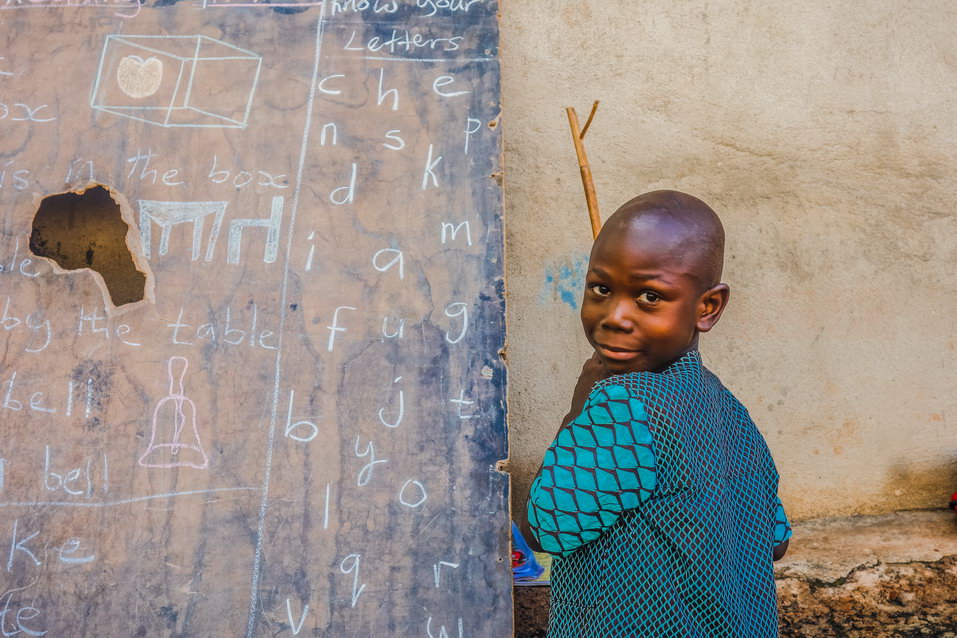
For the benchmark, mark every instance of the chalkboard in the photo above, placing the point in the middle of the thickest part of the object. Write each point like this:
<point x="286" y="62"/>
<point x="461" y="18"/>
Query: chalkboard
<point x="294" y="423"/>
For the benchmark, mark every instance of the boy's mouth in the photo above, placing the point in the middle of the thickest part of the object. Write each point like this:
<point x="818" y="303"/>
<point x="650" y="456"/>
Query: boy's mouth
<point x="615" y="352"/>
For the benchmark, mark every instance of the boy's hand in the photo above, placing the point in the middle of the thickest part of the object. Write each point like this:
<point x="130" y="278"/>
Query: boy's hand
<point x="781" y="550"/>
<point x="593" y="371"/>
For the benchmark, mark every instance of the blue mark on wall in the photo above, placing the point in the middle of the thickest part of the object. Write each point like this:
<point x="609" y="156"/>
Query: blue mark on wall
<point x="565" y="282"/>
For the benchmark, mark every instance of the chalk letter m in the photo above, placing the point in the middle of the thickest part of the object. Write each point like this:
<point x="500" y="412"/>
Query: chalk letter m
<point x="169" y="214"/>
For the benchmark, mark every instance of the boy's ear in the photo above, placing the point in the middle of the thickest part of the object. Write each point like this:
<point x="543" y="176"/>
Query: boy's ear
<point x="711" y="305"/>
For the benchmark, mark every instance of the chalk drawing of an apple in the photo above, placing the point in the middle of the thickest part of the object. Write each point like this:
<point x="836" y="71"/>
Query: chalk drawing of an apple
<point x="139" y="78"/>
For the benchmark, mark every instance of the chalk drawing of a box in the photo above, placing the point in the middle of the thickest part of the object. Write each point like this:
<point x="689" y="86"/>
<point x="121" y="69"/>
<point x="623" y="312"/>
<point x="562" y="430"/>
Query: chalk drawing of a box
<point x="176" y="80"/>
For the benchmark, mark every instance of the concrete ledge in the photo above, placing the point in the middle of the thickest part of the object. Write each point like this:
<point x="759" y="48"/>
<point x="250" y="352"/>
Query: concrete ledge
<point x="892" y="575"/>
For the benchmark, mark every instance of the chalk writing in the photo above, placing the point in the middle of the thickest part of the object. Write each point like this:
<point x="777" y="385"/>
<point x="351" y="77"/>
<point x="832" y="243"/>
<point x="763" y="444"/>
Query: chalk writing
<point x="39" y="328"/>
<point x="174" y="437"/>
<point x="129" y="81"/>
<point x="253" y="608"/>
<point x="328" y="90"/>
<point x="428" y="175"/>
<point x="432" y="7"/>
<point x="398" y="333"/>
<point x="397" y="175"/>
<point x="302" y="430"/>
<point x="97" y="323"/>
<point x="437" y="570"/>
<point x="72" y="546"/>
<point x="266" y="4"/>
<point x="293" y="625"/>
<point x="66" y="480"/>
<point x="381" y="261"/>
<point x="10" y="176"/>
<point x="223" y="332"/>
<point x="19" y="544"/>
<point x="397" y="142"/>
<point x="365" y="472"/>
<point x="21" y="112"/>
<point x="439" y="84"/>
<point x="384" y="95"/>
<point x="394" y="423"/>
<point x="345" y="194"/>
<point x="418" y="494"/>
<point x="332" y="130"/>
<point x="131" y="8"/>
<point x="13" y="620"/>
<point x="472" y="126"/>
<point x="142" y="167"/>
<point x="460" y="403"/>
<point x="242" y="178"/>
<point x="443" y="632"/>
<point x="452" y="230"/>
<point x="354" y="561"/>
<point x="142" y="161"/>
<point x="271" y="224"/>
<point x="167" y="215"/>
<point x="453" y="310"/>
<point x="19" y="395"/>
<point x="356" y="6"/>
<point x="312" y="251"/>
<point x="403" y="41"/>
<point x="80" y="170"/>
<point x="428" y="8"/>
<point x="16" y="264"/>
<point x="335" y="327"/>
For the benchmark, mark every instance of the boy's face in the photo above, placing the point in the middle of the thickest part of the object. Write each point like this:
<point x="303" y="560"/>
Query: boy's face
<point x="644" y="302"/>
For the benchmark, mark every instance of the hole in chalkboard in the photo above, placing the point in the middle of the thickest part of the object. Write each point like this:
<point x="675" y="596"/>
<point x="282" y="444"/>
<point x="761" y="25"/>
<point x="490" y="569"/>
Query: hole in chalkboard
<point x="85" y="230"/>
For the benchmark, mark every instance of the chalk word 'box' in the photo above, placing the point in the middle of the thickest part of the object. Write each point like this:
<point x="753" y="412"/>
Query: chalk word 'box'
<point x="176" y="80"/>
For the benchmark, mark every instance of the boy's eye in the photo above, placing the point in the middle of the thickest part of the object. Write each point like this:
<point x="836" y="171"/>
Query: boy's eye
<point x="648" y="296"/>
<point x="599" y="289"/>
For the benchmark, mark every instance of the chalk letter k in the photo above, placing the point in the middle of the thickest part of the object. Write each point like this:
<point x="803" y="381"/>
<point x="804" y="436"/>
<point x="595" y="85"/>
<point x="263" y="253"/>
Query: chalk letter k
<point x="18" y="546"/>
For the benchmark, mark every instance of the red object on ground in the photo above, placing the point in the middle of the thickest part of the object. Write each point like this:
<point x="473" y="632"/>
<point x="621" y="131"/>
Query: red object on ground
<point x="953" y="501"/>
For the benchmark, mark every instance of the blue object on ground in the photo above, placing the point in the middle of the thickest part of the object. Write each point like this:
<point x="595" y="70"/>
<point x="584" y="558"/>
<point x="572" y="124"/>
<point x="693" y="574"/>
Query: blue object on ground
<point x="524" y="565"/>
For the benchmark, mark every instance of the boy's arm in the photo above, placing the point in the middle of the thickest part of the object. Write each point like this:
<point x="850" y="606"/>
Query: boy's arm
<point x="592" y="372"/>
<point x="782" y="530"/>
<point x="600" y="464"/>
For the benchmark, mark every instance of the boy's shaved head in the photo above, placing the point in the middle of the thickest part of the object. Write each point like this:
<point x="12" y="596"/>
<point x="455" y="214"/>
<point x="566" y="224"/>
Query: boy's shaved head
<point x="680" y="226"/>
<point x="653" y="282"/>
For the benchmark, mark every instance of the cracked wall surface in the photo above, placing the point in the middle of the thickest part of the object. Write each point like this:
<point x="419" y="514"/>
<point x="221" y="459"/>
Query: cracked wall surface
<point x="823" y="135"/>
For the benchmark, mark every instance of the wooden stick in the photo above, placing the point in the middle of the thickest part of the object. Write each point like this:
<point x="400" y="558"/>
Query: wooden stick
<point x="591" y="116"/>
<point x="587" y="181"/>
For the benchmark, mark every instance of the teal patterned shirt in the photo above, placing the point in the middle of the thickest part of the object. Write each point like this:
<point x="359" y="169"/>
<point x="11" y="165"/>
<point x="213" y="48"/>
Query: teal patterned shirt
<point x="659" y="503"/>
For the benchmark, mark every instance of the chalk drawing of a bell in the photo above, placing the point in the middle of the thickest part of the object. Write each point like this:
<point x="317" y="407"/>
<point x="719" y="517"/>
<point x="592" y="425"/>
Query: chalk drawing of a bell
<point x="174" y="439"/>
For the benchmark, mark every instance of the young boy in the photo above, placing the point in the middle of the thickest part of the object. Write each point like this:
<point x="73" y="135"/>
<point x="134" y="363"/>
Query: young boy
<point x="658" y="496"/>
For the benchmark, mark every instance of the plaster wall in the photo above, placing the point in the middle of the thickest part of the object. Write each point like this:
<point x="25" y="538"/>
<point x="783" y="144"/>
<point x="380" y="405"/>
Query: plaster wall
<point x="825" y="136"/>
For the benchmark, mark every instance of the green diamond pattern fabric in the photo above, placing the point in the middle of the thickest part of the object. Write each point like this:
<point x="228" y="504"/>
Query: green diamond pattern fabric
<point x="599" y="466"/>
<point x="660" y="504"/>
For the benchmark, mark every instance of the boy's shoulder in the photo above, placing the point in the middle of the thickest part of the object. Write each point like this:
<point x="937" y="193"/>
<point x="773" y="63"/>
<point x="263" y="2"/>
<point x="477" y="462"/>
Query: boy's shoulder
<point x="682" y="381"/>
<point x="684" y="393"/>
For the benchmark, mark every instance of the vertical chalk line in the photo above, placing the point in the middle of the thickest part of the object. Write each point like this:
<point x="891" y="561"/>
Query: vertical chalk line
<point x="287" y="260"/>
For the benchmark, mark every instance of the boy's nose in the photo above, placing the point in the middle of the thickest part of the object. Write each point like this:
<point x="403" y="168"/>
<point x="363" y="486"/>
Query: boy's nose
<point x="618" y="316"/>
